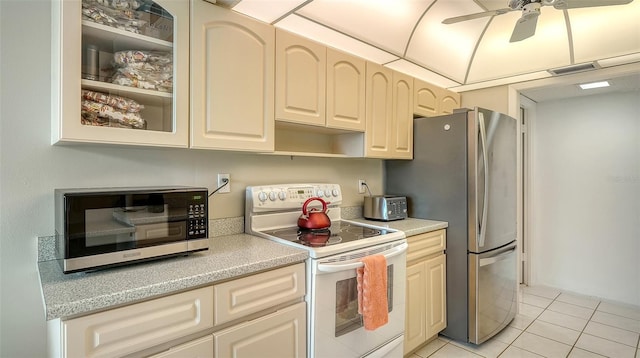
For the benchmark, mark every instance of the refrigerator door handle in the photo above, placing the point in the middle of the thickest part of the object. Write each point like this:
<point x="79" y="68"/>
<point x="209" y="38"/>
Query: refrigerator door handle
<point x="483" y="142"/>
<point x="502" y="256"/>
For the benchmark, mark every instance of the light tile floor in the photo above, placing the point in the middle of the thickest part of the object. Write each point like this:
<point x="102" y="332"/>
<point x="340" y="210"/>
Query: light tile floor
<point x="552" y="323"/>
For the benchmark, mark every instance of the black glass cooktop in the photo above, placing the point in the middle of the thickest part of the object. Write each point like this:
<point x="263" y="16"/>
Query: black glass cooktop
<point x="339" y="232"/>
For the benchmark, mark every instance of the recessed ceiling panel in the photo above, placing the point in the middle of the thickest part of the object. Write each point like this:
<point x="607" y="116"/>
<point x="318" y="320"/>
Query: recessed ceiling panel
<point x="329" y="37"/>
<point x="382" y="23"/>
<point x="447" y="49"/>
<point x="416" y="71"/>
<point x="266" y="11"/>
<point x="605" y="31"/>
<point x="408" y="36"/>
<point x="496" y="57"/>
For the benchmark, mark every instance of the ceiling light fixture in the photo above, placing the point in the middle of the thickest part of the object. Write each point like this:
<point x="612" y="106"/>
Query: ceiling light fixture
<point x="594" y="85"/>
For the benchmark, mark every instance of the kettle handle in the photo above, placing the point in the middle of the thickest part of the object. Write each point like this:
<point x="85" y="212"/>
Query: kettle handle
<point x="304" y="206"/>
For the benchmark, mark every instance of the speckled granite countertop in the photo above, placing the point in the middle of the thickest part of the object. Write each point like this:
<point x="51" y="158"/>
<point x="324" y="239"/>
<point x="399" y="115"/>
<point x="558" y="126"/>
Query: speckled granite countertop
<point x="410" y="226"/>
<point x="228" y="257"/>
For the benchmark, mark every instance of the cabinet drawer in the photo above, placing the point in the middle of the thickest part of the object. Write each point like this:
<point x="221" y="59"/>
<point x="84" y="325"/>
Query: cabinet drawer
<point x="426" y="244"/>
<point x="241" y="297"/>
<point x="280" y="334"/>
<point x="133" y="328"/>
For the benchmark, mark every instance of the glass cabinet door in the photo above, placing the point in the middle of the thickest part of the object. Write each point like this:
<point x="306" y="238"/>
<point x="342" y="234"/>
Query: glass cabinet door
<point x="123" y="72"/>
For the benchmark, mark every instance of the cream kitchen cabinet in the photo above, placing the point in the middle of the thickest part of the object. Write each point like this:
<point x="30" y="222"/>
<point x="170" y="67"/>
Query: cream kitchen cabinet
<point x="317" y="85"/>
<point x="133" y="328"/>
<point x="389" y="113"/>
<point x="280" y="334"/>
<point x="449" y="101"/>
<point x="402" y="129"/>
<point x="301" y="80"/>
<point x="240" y="317"/>
<point x="320" y="99"/>
<point x="431" y="100"/>
<point x="345" y="91"/>
<point x="426" y="289"/>
<point x="232" y="80"/>
<point x="95" y="101"/>
<point x="379" y="109"/>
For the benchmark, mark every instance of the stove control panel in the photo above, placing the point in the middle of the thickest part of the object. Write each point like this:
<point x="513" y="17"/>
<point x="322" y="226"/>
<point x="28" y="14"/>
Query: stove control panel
<point x="290" y="196"/>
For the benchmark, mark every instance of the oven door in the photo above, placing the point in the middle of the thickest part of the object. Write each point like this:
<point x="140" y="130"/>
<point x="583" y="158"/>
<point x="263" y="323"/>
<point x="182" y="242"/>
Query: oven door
<point x="336" y="327"/>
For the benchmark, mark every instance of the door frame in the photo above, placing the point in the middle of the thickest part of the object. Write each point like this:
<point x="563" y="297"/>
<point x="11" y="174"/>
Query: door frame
<point x="527" y="121"/>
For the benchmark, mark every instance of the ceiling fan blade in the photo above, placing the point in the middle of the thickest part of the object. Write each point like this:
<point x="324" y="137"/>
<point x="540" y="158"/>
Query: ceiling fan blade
<point x="525" y="28"/>
<point x="574" y="4"/>
<point x="478" y="15"/>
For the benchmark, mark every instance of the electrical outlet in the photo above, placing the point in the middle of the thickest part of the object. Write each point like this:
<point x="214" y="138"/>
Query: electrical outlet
<point x="222" y="178"/>
<point x="362" y="186"/>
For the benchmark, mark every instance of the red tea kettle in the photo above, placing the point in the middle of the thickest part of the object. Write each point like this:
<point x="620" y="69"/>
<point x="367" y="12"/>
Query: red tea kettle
<point x="314" y="219"/>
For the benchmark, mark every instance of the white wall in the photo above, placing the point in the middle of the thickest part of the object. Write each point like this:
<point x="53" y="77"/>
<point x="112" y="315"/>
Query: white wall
<point x="586" y="196"/>
<point x="32" y="168"/>
<point x="494" y="98"/>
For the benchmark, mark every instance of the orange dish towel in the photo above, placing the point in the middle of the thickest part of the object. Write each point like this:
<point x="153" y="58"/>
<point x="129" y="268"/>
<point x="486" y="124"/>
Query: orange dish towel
<point x="372" y="292"/>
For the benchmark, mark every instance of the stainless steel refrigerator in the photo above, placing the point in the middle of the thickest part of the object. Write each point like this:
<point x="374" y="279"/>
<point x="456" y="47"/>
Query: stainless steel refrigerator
<point x="464" y="172"/>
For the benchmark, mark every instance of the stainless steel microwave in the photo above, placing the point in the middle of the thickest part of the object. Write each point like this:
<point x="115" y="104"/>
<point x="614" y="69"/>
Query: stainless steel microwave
<point x="98" y="228"/>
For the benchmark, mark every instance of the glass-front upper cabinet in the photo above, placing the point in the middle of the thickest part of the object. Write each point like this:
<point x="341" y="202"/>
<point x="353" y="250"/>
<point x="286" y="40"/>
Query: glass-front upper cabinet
<point x="120" y="72"/>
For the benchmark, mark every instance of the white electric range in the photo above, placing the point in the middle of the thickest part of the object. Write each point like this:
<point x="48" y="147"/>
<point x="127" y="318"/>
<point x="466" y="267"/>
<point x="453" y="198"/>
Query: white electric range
<point x="334" y="326"/>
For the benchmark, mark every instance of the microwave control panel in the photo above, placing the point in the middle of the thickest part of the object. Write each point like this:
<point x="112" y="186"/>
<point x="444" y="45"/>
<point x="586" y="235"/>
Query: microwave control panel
<point x="197" y="211"/>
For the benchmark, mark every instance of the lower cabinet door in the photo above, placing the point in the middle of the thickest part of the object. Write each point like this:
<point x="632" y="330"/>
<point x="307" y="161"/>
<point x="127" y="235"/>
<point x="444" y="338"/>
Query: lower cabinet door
<point x="436" y="295"/>
<point x="280" y="334"/>
<point x="426" y="306"/>
<point x="199" y="348"/>
<point x="416" y="306"/>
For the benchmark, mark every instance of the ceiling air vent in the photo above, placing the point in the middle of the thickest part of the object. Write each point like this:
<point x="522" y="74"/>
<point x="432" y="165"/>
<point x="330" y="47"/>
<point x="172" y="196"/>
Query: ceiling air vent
<point x="573" y="69"/>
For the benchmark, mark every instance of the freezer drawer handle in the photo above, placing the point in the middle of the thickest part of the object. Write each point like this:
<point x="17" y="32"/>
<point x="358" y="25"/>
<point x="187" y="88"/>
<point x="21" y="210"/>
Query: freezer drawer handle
<point x="354" y="264"/>
<point x="494" y="259"/>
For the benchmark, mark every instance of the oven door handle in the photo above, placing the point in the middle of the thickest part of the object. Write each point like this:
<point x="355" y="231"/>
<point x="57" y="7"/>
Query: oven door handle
<point x="354" y="264"/>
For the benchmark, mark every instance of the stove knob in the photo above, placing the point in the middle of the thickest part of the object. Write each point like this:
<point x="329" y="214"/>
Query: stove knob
<point x="272" y="196"/>
<point x="321" y="193"/>
<point x="262" y="196"/>
<point x="335" y="192"/>
<point x="282" y="195"/>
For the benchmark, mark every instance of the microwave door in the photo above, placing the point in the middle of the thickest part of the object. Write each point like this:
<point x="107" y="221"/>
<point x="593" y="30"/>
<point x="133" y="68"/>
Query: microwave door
<point x="101" y="229"/>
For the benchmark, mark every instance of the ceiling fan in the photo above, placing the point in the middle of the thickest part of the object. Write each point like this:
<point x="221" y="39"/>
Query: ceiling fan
<point x="526" y="25"/>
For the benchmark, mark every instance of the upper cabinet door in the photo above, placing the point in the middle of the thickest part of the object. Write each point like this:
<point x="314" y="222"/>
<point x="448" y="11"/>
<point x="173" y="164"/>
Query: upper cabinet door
<point x="379" y="111"/>
<point x="232" y="77"/>
<point x="425" y="99"/>
<point x="122" y="82"/>
<point x="449" y="101"/>
<point x="431" y="100"/>
<point x="402" y="128"/>
<point x="300" y="79"/>
<point x="345" y="91"/>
